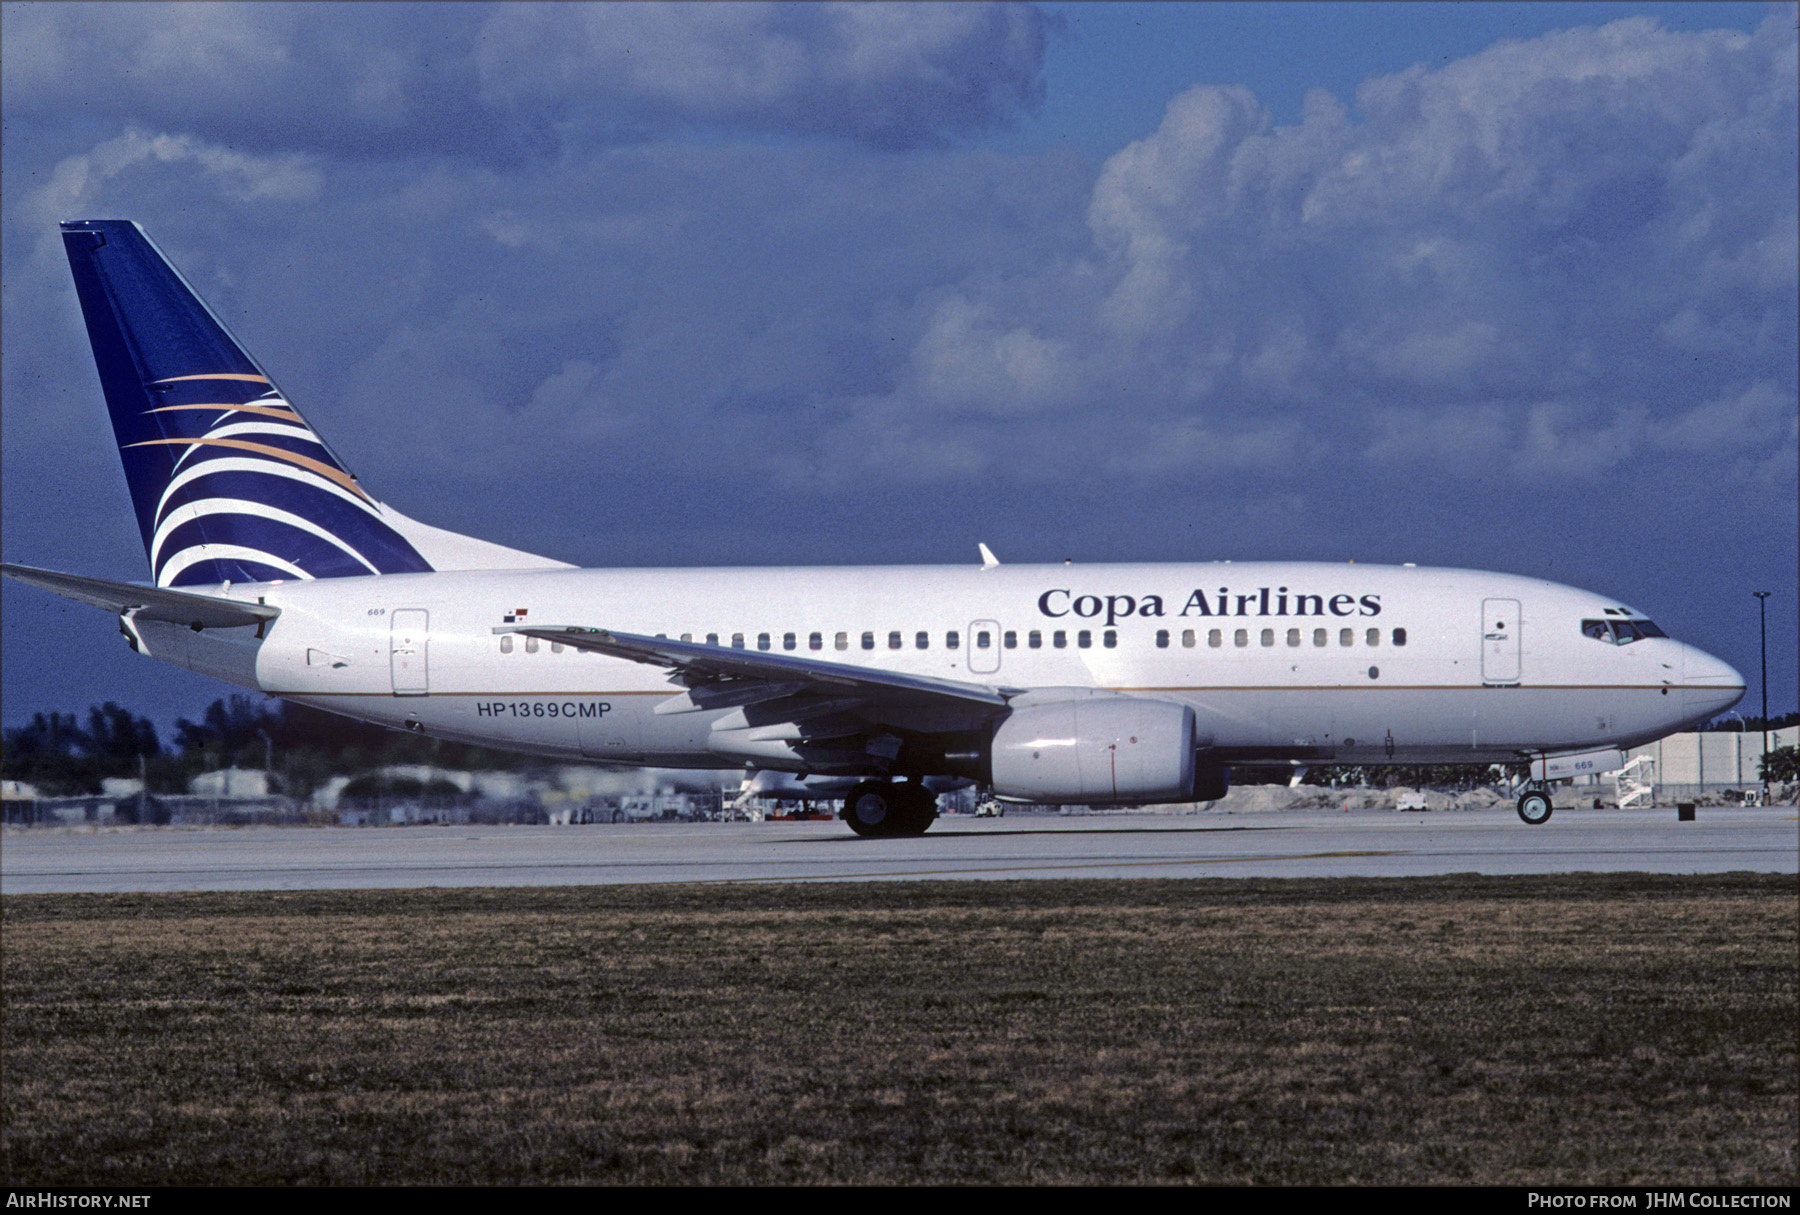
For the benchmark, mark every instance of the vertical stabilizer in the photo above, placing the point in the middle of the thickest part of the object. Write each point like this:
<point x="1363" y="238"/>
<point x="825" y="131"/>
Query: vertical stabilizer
<point x="229" y="482"/>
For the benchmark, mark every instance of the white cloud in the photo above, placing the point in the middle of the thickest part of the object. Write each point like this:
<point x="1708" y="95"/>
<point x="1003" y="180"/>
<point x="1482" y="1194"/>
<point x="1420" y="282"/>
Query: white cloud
<point x="1502" y="261"/>
<point x="895" y="75"/>
<point x="1762" y="416"/>
<point x="499" y="83"/>
<point x="1550" y="227"/>
<point x="1459" y="436"/>
<point x="81" y="182"/>
<point x="1189" y="445"/>
<point x="965" y="360"/>
<point x="1576" y="440"/>
<point x="1155" y="195"/>
<point x="51" y="49"/>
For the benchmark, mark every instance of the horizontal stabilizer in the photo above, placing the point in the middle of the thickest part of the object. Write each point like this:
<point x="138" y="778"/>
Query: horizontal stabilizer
<point x="147" y="602"/>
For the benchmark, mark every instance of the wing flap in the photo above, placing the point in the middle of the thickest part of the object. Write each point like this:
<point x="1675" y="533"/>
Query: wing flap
<point x="702" y="667"/>
<point x="731" y="695"/>
<point x="147" y="602"/>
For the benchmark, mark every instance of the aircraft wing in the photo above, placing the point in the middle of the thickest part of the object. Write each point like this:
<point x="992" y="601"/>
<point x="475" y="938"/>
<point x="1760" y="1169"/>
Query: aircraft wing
<point x="703" y="667"/>
<point x="147" y="602"/>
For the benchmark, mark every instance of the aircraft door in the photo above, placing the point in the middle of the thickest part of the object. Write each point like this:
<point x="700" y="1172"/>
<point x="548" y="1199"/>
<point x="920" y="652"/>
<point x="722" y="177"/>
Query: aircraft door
<point x="984" y="647"/>
<point x="409" y="639"/>
<point x="1500" y="641"/>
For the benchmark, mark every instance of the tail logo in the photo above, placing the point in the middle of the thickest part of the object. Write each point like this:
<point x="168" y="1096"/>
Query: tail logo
<point x="229" y="482"/>
<point x="252" y="494"/>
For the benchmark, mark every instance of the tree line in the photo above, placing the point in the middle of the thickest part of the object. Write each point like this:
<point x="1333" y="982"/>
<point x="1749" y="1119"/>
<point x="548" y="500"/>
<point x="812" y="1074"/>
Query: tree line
<point x="63" y="754"/>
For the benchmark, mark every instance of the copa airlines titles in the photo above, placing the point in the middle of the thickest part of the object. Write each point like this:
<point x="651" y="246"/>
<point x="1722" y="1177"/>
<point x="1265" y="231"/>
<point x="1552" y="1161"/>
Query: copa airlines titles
<point x="1263" y="601"/>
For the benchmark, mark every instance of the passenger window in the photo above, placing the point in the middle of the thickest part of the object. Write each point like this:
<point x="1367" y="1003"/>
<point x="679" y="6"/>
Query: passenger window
<point x="712" y="639"/>
<point x="923" y="641"/>
<point x="737" y="641"/>
<point x="1268" y="636"/>
<point x="1085" y="639"/>
<point x="1187" y="638"/>
<point x="1010" y="639"/>
<point x="1242" y="638"/>
<point x="556" y="647"/>
<point x="952" y="639"/>
<point x="894" y="642"/>
<point x="1373" y="637"/>
<point x="1346" y="636"/>
<point x="1293" y="636"/>
<point x="1035" y="639"/>
<point x="1399" y="636"/>
<point x="1110" y="639"/>
<point x="1059" y="639"/>
<point x="762" y="641"/>
<point x="506" y="645"/>
<point x="1214" y="638"/>
<point x="1162" y="639"/>
<point x="982" y="640"/>
<point x="789" y="641"/>
<point x="687" y="636"/>
<point x="815" y="641"/>
<point x="841" y="641"/>
<point x="1321" y="637"/>
<point x="531" y="645"/>
<point x="868" y="641"/>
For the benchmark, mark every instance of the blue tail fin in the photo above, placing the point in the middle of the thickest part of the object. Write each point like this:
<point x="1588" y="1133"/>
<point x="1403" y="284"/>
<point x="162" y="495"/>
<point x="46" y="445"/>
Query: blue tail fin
<point x="229" y="482"/>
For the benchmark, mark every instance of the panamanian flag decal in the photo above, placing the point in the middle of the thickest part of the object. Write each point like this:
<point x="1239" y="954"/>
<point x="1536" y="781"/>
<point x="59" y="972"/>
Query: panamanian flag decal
<point x="516" y="615"/>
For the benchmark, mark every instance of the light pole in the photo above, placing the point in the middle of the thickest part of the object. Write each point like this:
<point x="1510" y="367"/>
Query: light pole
<point x="1762" y="624"/>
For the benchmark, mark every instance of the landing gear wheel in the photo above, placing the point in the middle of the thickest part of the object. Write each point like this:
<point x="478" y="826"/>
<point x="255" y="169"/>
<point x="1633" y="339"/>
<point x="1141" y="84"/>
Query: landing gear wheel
<point x="1535" y="808"/>
<point x="870" y="808"/>
<point x="918" y="808"/>
<point x="876" y="809"/>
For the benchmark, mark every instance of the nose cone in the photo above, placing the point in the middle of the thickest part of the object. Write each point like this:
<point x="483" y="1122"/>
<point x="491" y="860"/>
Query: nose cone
<point x="1709" y="686"/>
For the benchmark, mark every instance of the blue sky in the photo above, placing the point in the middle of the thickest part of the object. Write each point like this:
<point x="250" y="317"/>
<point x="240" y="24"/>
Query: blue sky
<point x="1111" y="69"/>
<point x="1500" y="286"/>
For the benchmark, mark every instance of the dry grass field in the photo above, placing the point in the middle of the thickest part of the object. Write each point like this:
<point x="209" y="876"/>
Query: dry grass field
<point x="1621" y="1029"/>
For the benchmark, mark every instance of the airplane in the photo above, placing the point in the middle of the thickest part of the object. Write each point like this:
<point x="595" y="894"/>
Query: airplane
<point x="274" y="568"/>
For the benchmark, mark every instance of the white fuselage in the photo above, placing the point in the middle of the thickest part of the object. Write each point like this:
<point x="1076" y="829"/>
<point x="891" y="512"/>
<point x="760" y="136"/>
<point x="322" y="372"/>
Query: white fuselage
<point x="1281" y="661"/>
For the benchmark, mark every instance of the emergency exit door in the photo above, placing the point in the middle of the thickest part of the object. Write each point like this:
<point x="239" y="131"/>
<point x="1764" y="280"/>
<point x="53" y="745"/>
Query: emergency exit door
<point x="984" y="647"/>
<point x="409" y="640"/>
<point x="1500" y="641"/>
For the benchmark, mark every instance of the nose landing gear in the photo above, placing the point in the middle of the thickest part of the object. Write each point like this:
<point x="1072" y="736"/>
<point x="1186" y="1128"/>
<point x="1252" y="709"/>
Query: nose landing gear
<point x="1535" y="807"/>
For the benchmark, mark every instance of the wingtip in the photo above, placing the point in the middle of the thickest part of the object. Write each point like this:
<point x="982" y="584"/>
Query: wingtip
<point x="988" y="560"/>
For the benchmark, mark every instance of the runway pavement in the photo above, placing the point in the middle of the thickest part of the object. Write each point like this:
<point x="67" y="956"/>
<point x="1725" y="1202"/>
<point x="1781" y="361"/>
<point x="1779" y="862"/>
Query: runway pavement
<point x="1376" y="843"/>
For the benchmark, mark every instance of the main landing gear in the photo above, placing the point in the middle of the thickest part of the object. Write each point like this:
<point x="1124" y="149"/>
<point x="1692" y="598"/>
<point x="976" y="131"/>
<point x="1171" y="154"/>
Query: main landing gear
<point x="1535" y="807"/>
<point x="879" y="808"/>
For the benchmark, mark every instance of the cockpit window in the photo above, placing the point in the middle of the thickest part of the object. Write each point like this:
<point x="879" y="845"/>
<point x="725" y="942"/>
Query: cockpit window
<point x="1620" y="632"/>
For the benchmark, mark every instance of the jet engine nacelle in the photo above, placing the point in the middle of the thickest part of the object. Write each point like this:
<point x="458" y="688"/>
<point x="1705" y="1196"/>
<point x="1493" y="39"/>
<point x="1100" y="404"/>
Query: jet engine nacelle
<point x="1099" y="751"/>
